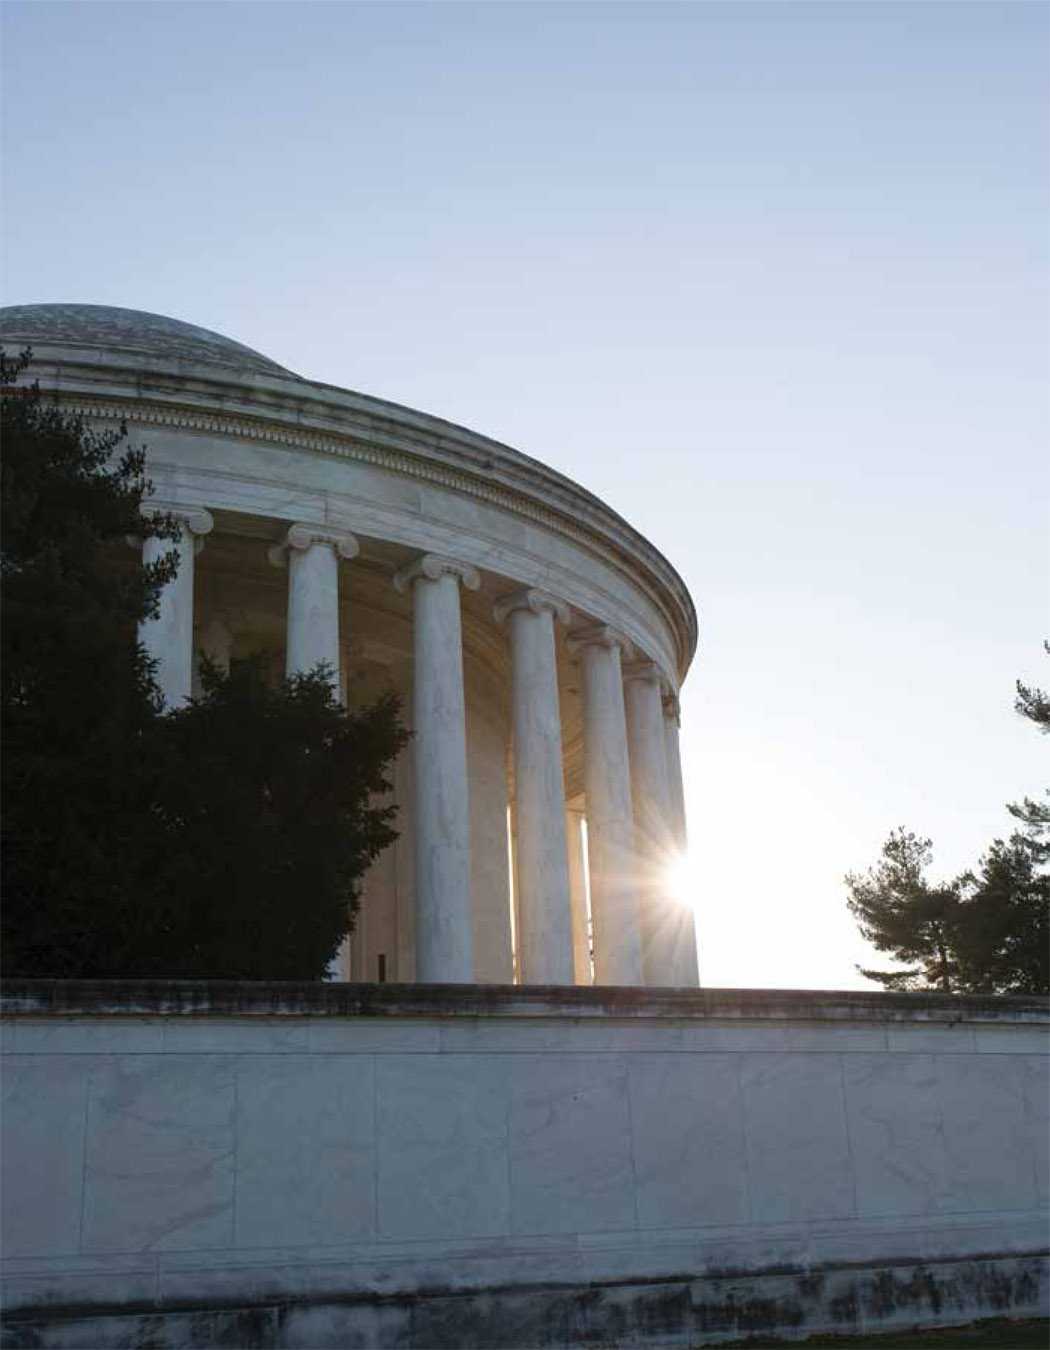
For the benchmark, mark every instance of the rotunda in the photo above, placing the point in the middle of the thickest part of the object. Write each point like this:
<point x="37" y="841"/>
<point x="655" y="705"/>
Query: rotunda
<point x="538" y="640"/>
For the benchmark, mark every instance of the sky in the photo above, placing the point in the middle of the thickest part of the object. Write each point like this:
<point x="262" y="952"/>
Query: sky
<point x="770" y="279"/>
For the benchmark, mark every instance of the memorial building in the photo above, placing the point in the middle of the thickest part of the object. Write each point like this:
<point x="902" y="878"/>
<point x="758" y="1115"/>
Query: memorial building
<point x="538" y="641"/>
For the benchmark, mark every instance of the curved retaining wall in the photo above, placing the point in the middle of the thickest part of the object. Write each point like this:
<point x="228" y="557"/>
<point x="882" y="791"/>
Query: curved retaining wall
<point x="424" y="1166"/>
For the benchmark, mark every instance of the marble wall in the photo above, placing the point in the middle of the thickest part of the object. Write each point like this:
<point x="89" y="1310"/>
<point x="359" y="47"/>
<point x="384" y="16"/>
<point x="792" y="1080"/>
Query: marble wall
<point x="323" y="1162"/>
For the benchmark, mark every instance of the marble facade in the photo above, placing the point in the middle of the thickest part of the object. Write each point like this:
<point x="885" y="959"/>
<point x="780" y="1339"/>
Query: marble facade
<point x="538" y="642"/>
<point x="515" y="1167"/>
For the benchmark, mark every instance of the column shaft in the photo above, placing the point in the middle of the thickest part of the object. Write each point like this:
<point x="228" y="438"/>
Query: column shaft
<point x="673" y="755"/>
<point x="610" y="823"/>
<point x="687" y="963"/>
<point x="444" y="943"/>
<point x="169" y="637"/>
<point x="581" y="947"/>
<point x="651" y="798"/>
<point x="545" y="941"/>
<point x="313" y="609"/>
<point x="312" y="553"/>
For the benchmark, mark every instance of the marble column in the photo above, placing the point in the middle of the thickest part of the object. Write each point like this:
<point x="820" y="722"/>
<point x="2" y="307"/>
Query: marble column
<point x="545" y="940"/>
<point x="311" y="554"/>
<point x="688" y="971"/>
<point x="515" y="895"/>
<point x="444" y="943"/>
<point x="581" y="942"/>
<point x="673" y="759"/>
<point x="651" y="797"/>
<point x="169" y="637"/>
<point x="610" y="821"/>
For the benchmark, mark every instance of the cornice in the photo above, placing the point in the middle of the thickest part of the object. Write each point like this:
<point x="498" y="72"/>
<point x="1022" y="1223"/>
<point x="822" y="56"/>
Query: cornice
<point x="538" y="494"/>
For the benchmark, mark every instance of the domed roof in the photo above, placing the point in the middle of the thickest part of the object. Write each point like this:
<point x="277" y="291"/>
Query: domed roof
<point x="106" y="326"/>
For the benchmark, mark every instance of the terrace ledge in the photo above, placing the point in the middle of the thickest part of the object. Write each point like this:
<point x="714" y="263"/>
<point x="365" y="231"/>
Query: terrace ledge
<point x="21" y="998"/>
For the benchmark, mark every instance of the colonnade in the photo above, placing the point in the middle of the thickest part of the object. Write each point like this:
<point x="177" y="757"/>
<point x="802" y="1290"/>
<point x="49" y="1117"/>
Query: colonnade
<point x="635" y="815"/>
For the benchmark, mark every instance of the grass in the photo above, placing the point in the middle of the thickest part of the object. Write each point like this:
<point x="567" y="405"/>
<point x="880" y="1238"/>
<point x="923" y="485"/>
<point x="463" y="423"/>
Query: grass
<point x="997" y="1334"/>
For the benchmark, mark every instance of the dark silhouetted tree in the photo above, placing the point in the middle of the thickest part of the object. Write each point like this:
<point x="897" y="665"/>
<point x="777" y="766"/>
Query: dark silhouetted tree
<point x="269" y="813"/>
<point x="985" y="931"/>
<point x="1002" y="939"/>
<point x="228" y="838"/>
<point x="901" y="912"/>
<point x="1034" y="704"/>
<point x="77" y="693"/>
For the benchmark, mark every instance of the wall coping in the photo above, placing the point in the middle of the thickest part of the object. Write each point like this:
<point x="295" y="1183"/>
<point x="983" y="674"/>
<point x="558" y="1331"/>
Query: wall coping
<point x="275" y="999"/>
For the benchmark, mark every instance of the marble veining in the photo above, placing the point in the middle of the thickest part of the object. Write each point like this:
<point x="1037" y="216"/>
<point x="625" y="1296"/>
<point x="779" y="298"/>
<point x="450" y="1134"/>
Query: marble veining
<point x="159" y="1165"/>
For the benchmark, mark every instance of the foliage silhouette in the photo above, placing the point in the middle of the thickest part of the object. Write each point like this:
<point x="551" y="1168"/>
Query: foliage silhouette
<point x="279" y="802"/>
<point x="227" y="838"/>
<point x="985" y="931"/>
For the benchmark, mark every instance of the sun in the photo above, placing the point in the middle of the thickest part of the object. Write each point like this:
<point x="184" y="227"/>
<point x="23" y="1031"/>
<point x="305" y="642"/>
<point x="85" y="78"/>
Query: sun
<point x="681" y="881"/>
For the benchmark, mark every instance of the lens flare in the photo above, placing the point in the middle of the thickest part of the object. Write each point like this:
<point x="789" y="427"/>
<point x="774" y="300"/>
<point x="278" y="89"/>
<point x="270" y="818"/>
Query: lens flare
<point x="680" y="879"/>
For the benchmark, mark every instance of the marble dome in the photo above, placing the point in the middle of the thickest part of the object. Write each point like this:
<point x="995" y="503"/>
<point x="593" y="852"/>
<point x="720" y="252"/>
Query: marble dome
<point x="109" y="327"/>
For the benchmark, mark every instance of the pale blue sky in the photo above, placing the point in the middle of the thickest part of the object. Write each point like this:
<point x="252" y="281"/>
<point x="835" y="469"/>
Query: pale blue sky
<point x="769" y="279"/>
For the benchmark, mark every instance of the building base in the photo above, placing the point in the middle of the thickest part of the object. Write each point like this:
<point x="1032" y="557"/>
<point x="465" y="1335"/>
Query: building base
<point x="210" y="1165"/>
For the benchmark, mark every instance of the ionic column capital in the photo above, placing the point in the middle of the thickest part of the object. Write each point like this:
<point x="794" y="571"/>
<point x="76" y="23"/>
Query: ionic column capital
<point x="431" y="566"/>
<point x="301" y="537"/>
<point x="599" y="635"/>
<point x="196" y="521"/>
<point x="672" y="708"/>
<point x="537" y="602"/>
<point x="643" y="670"/>
<point x="193" y="519"/>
